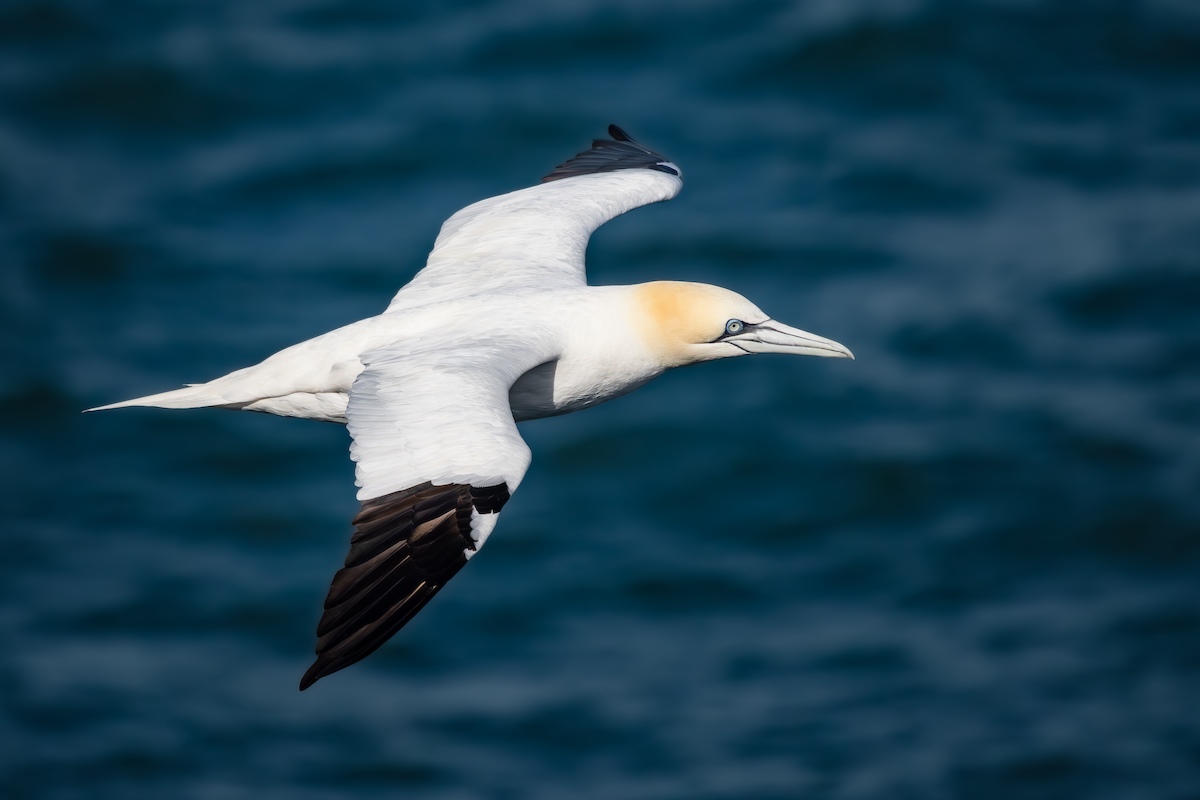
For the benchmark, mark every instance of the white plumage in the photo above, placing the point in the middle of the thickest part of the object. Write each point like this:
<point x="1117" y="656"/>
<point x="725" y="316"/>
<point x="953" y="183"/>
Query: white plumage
<point x="499" y="327"/>
<point x="532" y="238"/>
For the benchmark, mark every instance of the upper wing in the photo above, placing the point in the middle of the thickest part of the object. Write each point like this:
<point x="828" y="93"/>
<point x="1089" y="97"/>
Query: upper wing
<point x="536" y="237"/>
<point x="438" y="455"/>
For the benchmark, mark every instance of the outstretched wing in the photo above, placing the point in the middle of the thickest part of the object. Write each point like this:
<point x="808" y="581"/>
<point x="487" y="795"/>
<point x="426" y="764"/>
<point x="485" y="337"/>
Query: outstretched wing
<point x="537" y="237"/>
<point x="438" y="456"/>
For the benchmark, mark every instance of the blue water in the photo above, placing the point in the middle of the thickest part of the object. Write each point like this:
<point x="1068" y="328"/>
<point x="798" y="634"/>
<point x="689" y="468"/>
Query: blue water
<point x="966" y="565"/>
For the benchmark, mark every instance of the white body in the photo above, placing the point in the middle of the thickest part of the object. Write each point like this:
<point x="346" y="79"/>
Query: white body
<point x="583" y="344"/>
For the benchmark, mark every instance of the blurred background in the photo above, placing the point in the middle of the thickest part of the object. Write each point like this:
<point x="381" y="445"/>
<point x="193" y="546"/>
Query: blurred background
<point x="966" y="565"/>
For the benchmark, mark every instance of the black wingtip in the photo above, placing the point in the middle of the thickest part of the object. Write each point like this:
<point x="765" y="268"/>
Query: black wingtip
<point x="405" y="546"/>
<point x="324" y="665"/>
<point x="309" y="678"/>
<point x="618" y="134"/>
<point x="610" y="155"/>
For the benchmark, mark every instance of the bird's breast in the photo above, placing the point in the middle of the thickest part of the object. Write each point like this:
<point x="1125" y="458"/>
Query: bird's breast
<point x="566" y="385"/>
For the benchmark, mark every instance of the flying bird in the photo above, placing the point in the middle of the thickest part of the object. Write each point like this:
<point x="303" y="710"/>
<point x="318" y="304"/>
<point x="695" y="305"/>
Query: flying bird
<point x="500" y="327"/>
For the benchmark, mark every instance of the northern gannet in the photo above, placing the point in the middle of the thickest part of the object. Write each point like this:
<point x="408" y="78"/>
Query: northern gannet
<point x="500" y="327"/>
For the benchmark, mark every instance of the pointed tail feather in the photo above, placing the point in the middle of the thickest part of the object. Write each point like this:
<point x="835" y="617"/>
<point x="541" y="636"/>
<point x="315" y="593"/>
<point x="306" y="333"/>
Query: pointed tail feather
<point x="199" y="395"/>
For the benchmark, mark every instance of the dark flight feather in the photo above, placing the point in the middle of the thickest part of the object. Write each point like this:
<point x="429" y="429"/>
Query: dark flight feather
<point x="405" y="546"/>
<point x="610" y="155"/>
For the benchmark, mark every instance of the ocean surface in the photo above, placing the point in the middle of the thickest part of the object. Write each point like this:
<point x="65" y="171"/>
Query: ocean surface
<point x="964" y="566"/>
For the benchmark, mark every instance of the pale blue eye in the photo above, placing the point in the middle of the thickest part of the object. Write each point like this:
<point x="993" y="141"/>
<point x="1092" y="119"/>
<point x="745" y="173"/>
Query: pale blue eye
<point x="734" y="326"/>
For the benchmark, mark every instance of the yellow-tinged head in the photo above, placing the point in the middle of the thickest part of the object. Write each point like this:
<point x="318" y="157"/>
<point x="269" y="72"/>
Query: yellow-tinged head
<point x="685" y="323"/>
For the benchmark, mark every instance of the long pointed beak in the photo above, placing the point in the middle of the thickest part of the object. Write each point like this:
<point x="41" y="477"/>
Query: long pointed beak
<point x="775" y="337"/>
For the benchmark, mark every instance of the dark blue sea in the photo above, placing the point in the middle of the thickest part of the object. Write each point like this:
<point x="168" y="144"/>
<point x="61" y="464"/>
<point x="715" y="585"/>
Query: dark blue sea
<point x="964" y="566"/>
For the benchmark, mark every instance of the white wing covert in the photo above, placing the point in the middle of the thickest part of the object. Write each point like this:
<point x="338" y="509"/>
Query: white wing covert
<point x="438" y="455"/>
<point x="537" y="237"/>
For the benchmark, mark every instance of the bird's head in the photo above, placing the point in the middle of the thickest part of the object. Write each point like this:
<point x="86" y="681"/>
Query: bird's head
<point x="686" y="323"/>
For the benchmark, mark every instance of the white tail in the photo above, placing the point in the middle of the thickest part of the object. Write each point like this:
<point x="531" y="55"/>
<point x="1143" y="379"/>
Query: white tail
<point x="199" y="395"/>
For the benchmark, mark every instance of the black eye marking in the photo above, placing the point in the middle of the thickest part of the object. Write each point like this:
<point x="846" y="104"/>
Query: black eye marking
<point x="733" y="328"/>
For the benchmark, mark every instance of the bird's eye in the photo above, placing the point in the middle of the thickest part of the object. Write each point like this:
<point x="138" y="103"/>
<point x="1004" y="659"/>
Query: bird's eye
<point x="734" y="326"/>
